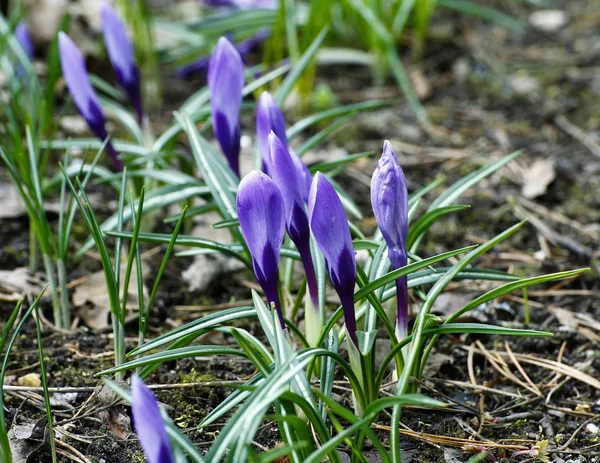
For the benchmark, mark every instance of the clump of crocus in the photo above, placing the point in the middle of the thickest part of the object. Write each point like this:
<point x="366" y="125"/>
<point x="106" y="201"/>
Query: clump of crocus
<point x="78" y="82"/>
<point x="149" y="423"/>
<point x="269" y="119"/>
<point x="331" y="231"/>
<point x="120" y="53"/>
<point x="291" y="183"/>
<point x="389" y="199"/>
<point x="24" y="39"/>
<point x="226" y="81"/>
<point x="261" y="213"/>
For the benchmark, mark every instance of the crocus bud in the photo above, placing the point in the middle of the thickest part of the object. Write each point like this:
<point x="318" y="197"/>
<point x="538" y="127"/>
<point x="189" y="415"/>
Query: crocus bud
<point x="268" y="119"/>
<point x="120" y="53"/>
<point x="149" y="424"/>
<point x="289" y="180"/>
<point x="226" y="81"/>
<point x="261" y="214"/>
<point x="389" y="198"/>
<point x="331" y="231"/>
<point x="78" y="82"/>
<point x="24" y="38"/>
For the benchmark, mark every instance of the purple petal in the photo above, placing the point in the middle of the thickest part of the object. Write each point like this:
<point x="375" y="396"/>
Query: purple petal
<point x="389" y="198"/>
<point x="291" y="183"/>
<point x="120" y="52"/>
<point x="24" y="38"/>
<point x="268" y="118"/>
<point x="305" y="175"/>
<point x="226" y="81"/>
<point x="261" y="212"/>
<point x="149" y="424"/>
<point x="330" y="228"/>
<point x="78" y="82"/>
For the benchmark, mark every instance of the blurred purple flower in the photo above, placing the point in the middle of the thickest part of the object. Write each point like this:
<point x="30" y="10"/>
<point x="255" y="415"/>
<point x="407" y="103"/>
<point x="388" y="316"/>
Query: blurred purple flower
<point x="289" y="180"/>
<point x="120" y="52"/>
<point x="245" y="4"/>
<point x="261" y="213"/>
<point x="78" y="82"/>
<point x="226" y="81"/>
<point x="330" y="228"/>
<point x="24" y="38"/>
<point x="244" y="48"/>
<point x="149" y="424"/>
<point x="389" y="198"/>
<point x="268" y="119"/>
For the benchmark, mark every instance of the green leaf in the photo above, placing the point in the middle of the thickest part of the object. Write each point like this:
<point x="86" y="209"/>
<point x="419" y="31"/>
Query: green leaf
<point x="393" y="275"/>
<point x="288" y="83"/>
<point x="175" y="354"/>
<point x="420" y="227"/>
<point x="473" y="9"/>
<point x="196" y="328"/>
<point x="449" y="196"/>
<point x="513" y="286"/>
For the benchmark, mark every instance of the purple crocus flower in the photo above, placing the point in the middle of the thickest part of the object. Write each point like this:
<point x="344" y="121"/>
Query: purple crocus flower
<point x="291" y="183"/>
<point x="149" y="424"/>
<point x="261" y="213"/>
<point x="24" y="38"/>
<point x="245" y="4"/>
<point x="120" y="52"/>
<point x="330" y="228"/>
<point x="226" y="81"/>
<point x="78" y="82"/>
<point x="389" y="198"/>
<point x="244" y="48"/>
<point x="268" y="118"/>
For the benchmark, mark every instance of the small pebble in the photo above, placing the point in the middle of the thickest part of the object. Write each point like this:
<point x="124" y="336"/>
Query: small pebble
<point x="548" y="20"/>
<point x="30" y="380"/>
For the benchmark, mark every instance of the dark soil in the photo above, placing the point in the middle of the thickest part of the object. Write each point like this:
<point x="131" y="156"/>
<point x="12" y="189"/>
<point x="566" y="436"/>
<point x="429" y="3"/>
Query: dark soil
<point x="492" y="92"/>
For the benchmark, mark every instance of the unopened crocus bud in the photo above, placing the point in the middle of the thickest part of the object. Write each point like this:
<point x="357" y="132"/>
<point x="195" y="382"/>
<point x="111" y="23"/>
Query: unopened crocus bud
<point x="78" y="82"/>
<point x="226" y="81"/>
<point x="389" y="199"/>
<point x="261" y="213"/>
<point x="24" y="38"/>
<point x="268" y="118"/>
<point x="120" y="53"/>
<point x="331" y="231"/>
<point x="149" y="423"/>
<point x="291" y="183"/>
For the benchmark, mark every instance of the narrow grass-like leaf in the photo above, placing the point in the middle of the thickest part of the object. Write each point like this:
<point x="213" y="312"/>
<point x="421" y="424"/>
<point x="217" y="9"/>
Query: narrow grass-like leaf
<point x="393" y="275"/>
<point x="175" y="354"/>
<point x="288" y="83"/>
<point x="195" y="328"/>
<point x="472" y="8"/>
<point x="420" y="227"/>
<point x="303" y="124"/>
<point x="457" y="189"/>
<point x="327" y="166"/>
